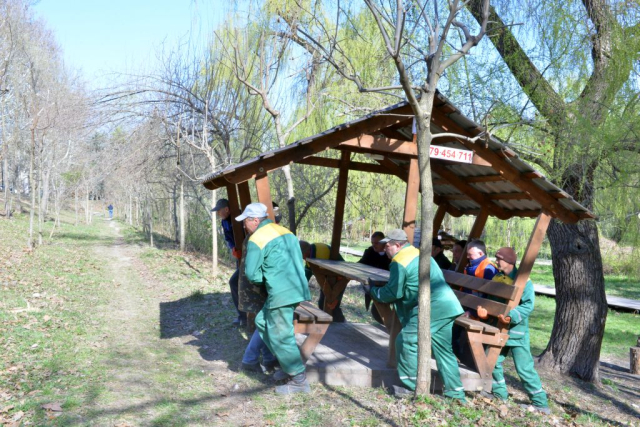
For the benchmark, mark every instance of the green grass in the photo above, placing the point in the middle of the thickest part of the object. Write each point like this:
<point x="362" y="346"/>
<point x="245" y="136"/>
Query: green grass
<point x="615" y="285"/>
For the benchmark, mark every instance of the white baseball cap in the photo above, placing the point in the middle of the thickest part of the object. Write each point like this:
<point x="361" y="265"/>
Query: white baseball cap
<point x="253" y="210"/>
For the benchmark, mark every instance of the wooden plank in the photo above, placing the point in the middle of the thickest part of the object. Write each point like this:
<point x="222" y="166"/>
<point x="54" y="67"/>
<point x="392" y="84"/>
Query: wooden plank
<point x="380" y="144"/>
<point x="234" y="209"/>
<point x="612" y="301"/>
<point x="490" y="287"/>
<point x="529" y="257"/>
<point x="310" y="146"/>
<point x="245" y="194"/>
<point x="471" y="301"/>
<point x="398" y="171"/>
<point x="438" y="218"/>
<point x="303" y="315"/>
<point x="353" y="270"/>
<point x="321" y="316"/>
<point x="411" y="200"/>
<point x="341" y="197"/>
<point x="354" y="166"/>
<point x="264" y="194"/>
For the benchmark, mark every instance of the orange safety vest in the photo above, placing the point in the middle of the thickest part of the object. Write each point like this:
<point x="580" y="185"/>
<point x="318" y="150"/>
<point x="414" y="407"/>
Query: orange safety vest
<point x="479" y="273"/>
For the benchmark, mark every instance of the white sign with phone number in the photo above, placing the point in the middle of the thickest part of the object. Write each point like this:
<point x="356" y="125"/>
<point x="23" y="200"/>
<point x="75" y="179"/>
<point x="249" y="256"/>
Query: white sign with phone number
<point x="452" y="154"/>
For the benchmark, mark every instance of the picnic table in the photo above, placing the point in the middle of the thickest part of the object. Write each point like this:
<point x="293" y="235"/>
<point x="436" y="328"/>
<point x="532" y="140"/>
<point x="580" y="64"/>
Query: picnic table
<point x="333" y="277"/>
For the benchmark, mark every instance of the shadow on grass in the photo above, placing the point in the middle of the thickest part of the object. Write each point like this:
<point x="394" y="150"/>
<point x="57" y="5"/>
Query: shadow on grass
<point x="359" y="404"/>
<point x="207" y="319"/>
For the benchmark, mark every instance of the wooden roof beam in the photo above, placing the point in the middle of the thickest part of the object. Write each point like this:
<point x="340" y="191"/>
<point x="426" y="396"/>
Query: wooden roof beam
<point x="309" y="147"/>
<point x="354" y="166"/>
<point x="506" y="170"/>
<point x="380" y="144"/>
<point x="475" y="195"/>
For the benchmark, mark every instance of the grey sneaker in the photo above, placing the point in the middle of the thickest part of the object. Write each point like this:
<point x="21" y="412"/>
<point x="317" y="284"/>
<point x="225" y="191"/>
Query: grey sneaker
<point x="400" y="391"/>
<point x="296" y="384"/>
<point x="272" y="366"/>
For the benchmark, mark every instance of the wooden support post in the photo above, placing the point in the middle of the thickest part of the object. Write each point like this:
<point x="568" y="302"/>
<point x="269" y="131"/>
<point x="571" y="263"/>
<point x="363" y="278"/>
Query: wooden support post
<point x="529" y="257"/>
<point x="439" y="217"/>
<point x="634" y="356"/>
<point x="245" y="194"/>
<point x="476" y="232"/>
<point x="234" y="210"/>
<point x="264" y="194"/>
<point x="411" y="200"/>
<point x="341" y="197"/>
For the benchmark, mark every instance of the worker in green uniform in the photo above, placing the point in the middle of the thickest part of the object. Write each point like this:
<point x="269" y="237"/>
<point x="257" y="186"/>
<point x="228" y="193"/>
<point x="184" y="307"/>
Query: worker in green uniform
<point x="518" y="344"/>
<point x="402" y="290"/>
<point x="274" y="260"/>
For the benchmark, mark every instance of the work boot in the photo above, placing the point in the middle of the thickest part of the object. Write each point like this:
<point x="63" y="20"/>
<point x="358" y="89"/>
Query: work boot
<point x="251" y="367"/>
<point x="281" y="375"/>
<point x="338" y="316"/>
<point x="539" y="409"/>
<point x="296" y="384"/>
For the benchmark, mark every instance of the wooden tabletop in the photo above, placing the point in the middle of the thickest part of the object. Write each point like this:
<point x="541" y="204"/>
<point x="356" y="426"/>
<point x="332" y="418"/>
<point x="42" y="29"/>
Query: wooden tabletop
<point x="353" y="270"/>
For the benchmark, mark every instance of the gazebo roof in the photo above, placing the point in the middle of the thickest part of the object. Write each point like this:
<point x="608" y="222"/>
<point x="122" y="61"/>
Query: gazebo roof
<point x="497" y="180"/>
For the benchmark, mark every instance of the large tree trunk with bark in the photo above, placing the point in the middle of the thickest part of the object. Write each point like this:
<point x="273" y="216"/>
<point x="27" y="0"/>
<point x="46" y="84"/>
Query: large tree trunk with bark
<point x="581" y="305"/>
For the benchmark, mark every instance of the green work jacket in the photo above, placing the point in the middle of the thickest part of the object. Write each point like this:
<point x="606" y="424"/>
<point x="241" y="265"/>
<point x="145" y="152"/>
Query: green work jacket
<point x="402" y="289"/>
<point x="274" y="260"/>
<point x="519" y="326"/>
<point x="318" y="251"/>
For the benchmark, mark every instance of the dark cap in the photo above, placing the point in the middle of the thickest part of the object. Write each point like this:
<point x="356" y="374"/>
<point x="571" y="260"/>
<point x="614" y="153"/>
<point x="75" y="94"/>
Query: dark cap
<point x="222" y="203"/>
<point x="507" y="254"/>
<point x="436" y="242"/>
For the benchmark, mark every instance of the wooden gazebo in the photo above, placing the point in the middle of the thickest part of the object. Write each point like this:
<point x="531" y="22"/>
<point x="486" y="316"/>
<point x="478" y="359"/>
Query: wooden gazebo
<point x="471" y="176"/>
<point x="491" y="181"/>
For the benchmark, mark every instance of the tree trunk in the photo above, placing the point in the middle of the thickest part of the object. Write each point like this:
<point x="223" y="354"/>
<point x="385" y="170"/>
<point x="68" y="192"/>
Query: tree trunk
<point x="40" y="213"/>
<point x="32" y="188"/>
<point x="214" y="236"/>
<point x="634" y="359"/>
<point x="423" y="138"/>
<point x="76" y="206"/>
<point x="182" y="216"/>
<point x="581" y="305"/>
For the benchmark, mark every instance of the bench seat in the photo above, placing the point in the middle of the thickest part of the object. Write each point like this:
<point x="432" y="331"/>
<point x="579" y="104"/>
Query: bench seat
<point x="308" y="319"/>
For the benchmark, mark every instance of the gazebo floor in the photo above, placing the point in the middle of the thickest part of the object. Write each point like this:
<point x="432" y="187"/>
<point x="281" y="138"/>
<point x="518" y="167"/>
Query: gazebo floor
<point x="355" y="354"/>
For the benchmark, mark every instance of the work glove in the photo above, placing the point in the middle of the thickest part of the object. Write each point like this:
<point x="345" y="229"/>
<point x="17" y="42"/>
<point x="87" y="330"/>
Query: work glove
<point x="237" y="253"/>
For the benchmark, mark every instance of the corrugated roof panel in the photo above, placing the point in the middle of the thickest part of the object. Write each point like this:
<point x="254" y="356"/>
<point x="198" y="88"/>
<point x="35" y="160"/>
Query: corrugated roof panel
<point x="496" y="187"/>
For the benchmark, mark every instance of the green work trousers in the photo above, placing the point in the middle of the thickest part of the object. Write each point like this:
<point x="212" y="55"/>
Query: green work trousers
<point x="407" y="356"/>
<point x="275" y="326"/>
<point x="523" y="362"/>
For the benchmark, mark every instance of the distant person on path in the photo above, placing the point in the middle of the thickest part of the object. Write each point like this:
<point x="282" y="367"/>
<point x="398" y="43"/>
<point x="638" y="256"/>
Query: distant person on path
<point x="321" y="251"/>
<point x="437" y="252"/>
<point x="223" y="213"/>
<point x="458" y="251"/>
<point x="274" y="260"/>
<point x="402" y="290"/>
<point x="110" y="208"/>
<point x="518" y="344"/>
<point x="375" y="256"/>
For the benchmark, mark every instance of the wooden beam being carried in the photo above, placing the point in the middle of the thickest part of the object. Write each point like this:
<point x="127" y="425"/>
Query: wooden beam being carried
<point x="341" y="197"/>
<point x="411" y="200"/>
<point x="264" y="194"/>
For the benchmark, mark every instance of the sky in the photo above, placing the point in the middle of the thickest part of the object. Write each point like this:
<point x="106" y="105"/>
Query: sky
<point x="100" y="36"/>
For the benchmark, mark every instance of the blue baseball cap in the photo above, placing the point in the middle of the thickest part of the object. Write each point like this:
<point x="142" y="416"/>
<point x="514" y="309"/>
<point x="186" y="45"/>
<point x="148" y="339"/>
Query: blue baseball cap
<point x="253" y="210"/>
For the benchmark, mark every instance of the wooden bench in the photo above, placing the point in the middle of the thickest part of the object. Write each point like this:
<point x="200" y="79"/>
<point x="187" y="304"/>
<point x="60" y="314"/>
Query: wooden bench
<point x="310" y="320"/>
<point x="485" y="340"/>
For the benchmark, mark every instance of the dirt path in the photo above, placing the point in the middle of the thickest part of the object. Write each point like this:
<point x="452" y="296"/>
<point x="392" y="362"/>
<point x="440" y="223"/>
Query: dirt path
<point x="151" y="380"/>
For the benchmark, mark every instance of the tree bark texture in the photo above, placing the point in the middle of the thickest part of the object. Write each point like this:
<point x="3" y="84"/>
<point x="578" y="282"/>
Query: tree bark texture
<point x="581" y="305"/>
